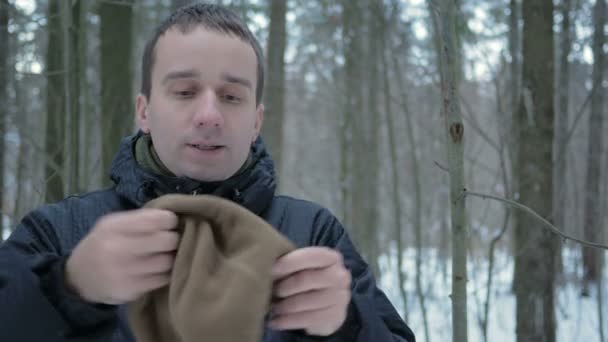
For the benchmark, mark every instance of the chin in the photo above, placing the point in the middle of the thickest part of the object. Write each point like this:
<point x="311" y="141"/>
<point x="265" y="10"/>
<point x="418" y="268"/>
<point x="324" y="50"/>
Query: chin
<point x="206" y="177"/>
<point x="204" y="173"/>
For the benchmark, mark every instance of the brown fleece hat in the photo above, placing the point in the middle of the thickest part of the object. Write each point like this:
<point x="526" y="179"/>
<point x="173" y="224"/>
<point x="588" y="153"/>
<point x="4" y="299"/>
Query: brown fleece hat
<point x="221" y="283"/>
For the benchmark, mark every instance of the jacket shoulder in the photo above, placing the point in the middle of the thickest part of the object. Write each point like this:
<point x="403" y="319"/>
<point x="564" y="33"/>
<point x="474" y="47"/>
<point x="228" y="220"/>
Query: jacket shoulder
<point x="70" y="219"/>
<point x="304" y="222"/>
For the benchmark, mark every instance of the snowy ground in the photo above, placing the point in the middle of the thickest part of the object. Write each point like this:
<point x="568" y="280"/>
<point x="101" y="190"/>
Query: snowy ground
<point x="577" y="317"/>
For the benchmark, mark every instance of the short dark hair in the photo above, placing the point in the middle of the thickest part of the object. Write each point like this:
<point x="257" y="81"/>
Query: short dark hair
<point x="212" y="17"/>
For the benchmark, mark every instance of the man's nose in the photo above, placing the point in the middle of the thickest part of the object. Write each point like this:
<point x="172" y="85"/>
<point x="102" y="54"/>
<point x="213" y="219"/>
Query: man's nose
<point x="207" y="112"/>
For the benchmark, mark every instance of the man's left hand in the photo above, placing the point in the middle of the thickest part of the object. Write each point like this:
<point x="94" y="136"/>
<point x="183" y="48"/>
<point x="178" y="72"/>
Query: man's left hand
<point x="312" y="291"/>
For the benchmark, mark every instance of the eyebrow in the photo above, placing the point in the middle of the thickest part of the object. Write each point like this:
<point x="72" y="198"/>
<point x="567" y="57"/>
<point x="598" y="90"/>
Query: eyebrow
<point x="180" y="75"/>
<point x="235" y="79"/>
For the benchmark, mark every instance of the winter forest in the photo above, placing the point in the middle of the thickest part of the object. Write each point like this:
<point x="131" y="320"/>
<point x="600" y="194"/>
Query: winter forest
<point x="461" y="142"/>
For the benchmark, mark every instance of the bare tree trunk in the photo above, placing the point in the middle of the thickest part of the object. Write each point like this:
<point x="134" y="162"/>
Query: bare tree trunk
<point x="352" y="96"/>
<point x="561" y="135"/>
<point x="116" y="78"/>
<point x="68" y="68"/>
<point x="71" y="24"/>
<point x="368" y="165"/>
<point x="21" y="179"/>
<point x="514" y="41"/>
<point x="592" y="231"/>
<point x="534" y="258"/>
<point x="4" y="65"/>
<point x="417" y="182"/>
<point x="274" y="101"/>
<point x="56" y="106"/>
<point x="600" y="304"/>
<point x="358" y="158"/>
<point x="493" y="243"/>
<point x="86" y="109"/>
<point x="559" y="191"/>
<point x="396" y="185"/>
<point x="513" y="122"/>
<point x="503" y="151"/>
<point x="21" y="174"/>
<point x="392" y="144"/>
<point x="445" y="31"/>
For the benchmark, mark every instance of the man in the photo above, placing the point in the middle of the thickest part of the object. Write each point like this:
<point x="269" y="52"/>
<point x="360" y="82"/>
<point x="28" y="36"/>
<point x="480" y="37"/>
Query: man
<point x="69" y="268"/>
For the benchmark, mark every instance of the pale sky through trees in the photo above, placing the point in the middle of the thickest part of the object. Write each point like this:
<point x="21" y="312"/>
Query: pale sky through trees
<point x="481" y="56"/>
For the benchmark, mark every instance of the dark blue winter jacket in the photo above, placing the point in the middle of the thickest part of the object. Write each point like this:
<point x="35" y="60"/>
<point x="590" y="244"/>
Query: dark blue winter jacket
<point x="36" y="306"/>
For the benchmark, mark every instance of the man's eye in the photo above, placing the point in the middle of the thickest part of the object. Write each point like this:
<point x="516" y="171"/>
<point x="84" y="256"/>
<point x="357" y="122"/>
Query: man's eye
<point x="184" y="94"/>
<point x="231" y="98"/>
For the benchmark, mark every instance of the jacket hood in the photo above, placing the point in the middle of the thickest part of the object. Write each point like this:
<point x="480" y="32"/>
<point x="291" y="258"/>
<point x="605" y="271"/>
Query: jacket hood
<point x="253" y="188"/>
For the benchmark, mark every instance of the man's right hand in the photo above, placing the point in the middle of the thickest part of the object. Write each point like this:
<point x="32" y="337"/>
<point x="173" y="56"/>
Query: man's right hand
<point x="124" y="256"/>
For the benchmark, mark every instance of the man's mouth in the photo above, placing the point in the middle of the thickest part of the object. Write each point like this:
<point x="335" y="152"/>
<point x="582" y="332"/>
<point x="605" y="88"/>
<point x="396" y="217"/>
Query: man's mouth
<point x="205" y="147"/>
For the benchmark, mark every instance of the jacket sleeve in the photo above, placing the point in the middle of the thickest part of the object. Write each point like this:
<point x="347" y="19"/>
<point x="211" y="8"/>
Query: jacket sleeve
<point x="371" y="316"/>
<point x="35" y="304"/>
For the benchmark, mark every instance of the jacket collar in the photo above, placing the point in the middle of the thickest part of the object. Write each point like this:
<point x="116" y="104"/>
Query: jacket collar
<point x="253" y="188"/>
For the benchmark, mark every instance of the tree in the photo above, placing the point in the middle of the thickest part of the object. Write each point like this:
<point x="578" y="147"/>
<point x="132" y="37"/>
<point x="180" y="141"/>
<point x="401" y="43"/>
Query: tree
<point x="395" y="191"/>
<point x="560" y="166"/>
<point x="563" y="113"/>
<point x="416" y="213"/>
<point x="86" y="117"/>
<point x="353" y="95"/>
<point x="535" y="246"/>
<point x="56" y="90"/>
<point x="511" y="138"/>
<point x="116" y="77"/>
<point x="367" y="156"/>
<point x="358" y="139"/>
<point x="272" y="130"/>
<point x="72" y="21"/>
<point x="444" y="19"/>
<point x="593" y="213"/>
<point x="4" y="65"/>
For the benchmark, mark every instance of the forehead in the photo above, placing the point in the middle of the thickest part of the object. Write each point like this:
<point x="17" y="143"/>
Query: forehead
<point x="211" y="54"/>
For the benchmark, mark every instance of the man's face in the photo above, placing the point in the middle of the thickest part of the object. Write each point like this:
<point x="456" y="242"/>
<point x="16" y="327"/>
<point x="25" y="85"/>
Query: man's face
<point x="201" y="113"/>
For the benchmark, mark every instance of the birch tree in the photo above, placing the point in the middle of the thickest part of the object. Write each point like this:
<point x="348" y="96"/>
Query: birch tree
<point x="445" y="32"/>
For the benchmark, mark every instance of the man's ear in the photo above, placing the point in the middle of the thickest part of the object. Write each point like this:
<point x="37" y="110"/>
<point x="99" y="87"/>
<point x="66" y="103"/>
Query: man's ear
<point x="259" y="119"/>
<point x="141" y="113"/>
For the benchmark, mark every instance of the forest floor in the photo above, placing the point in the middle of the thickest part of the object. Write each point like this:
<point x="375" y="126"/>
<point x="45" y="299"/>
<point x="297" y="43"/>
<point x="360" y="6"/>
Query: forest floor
<point x="577" y="316"/>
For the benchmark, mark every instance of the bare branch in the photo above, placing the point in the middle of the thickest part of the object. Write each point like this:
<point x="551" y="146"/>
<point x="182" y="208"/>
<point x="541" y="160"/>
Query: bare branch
<point x="441" y="166"/>
<point x="473" y="123"/>
<point x="549" y="226"/>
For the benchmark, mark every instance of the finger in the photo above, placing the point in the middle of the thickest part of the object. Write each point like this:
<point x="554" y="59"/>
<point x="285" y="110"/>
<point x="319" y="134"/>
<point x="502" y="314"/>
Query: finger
<point x="153" y="220"/>
<point x="315" y="279"/>
<point x="309" y="320"/>
<point x="312" y="300"/>
<point x="146" y="220"/>
<point x="158" y="242"/>
<point x="305" y="258"/>
<point x="153" y="281"/>
<point x="153" y="264"/>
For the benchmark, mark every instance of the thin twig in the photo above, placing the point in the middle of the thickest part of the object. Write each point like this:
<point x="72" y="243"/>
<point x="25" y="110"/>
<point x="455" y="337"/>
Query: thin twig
<point x="551" y="227"/>
<point x="441" y="166"/>
<point x="469" y="118"/>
